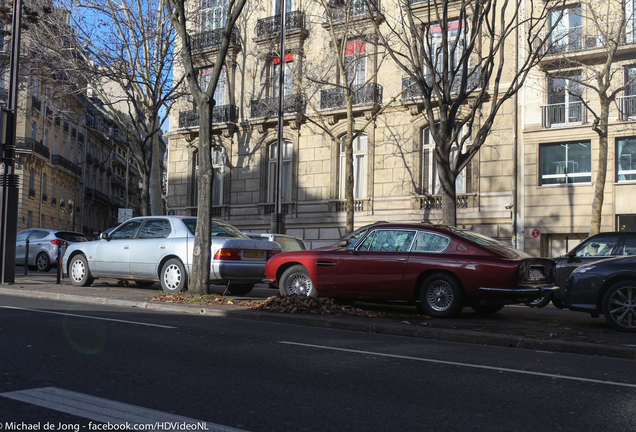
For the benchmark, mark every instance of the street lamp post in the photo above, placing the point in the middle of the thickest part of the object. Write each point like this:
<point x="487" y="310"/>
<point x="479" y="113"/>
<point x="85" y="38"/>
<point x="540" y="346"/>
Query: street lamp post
<point x="9" y="180"/>
<point x="278" y="224"/>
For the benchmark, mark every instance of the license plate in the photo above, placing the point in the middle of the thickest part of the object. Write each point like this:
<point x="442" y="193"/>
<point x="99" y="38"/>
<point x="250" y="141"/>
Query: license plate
<point x="537" y="272"/>
<point x="254" y="254"/>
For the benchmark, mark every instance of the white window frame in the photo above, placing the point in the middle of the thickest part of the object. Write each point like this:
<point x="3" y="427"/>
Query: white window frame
<point x="356" y="51"/>
<point x="434" y="184"/>
<point x="360" y="148"/>
<point x="218" y="167"/>
<point x="286" y="173"/>
<point x="213" y="14"/>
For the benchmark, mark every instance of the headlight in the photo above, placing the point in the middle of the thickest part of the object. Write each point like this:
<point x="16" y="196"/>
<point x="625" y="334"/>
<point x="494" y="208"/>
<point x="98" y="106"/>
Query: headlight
<point x="583" y="269"/>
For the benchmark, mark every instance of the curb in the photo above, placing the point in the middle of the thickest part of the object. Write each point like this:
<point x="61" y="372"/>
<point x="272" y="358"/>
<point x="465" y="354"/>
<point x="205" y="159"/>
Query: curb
<point x="348" y="323"/>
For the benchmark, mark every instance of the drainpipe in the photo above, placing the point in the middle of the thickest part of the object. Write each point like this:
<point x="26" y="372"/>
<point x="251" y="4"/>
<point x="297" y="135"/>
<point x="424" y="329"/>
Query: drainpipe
<point x="515" y="147"/>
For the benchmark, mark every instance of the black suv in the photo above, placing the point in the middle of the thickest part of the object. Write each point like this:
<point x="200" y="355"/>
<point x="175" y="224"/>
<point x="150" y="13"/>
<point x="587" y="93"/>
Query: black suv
<point x="594" y="248"/>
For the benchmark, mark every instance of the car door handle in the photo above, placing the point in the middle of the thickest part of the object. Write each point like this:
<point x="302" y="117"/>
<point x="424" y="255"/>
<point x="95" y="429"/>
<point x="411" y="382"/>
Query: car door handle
<point x="163" y="247"/>
<point x="126" y="247"/>
<point x="401" y="259"/>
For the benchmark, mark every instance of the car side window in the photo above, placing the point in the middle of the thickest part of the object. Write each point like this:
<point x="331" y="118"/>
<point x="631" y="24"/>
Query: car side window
<point x="22" y="236"/>
<point x="126" y="231"/>
<point x="155" y="228"/>
<point x="391" y="241"/>
<point x="598" y="246"/>
<point x="38" y="234"/>
<point x="430" y="242"/>
<point x="629" y="247"/>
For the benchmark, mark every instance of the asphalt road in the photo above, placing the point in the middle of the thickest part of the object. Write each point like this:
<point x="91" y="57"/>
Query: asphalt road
<point x="259" y="376"/>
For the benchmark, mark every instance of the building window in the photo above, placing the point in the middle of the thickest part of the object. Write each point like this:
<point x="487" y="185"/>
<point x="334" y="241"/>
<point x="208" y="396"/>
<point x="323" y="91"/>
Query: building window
<point x="430" y="174"/>
<point x="564" y="101"/>
<point x="29" y="220"/>
<point x="455" y="47"/>
<point x="289" y="6"/>
<point x="274" y="76"/>
<point x="213" y="14"/>
<point x="356" y="63"/>
<point x="286" y="172"/>
<point x="566" y="29"/>
<point x="34" y="131"/>
<point x="566" y="163"/>
<point x="218" y="166"/>
<point x="626" y="222"/>
<point x="628" y="101"/>
<point x="626" y="159"/>
<point x="359" y="167"/>
<point x="220" y="93"/>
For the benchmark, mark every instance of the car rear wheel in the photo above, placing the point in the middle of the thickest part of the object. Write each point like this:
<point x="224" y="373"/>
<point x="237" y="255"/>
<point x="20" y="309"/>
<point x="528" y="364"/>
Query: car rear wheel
<point x="43" y="262"/>
<point x="144" y="284"/>
<point x="296" y="280"/>
<point x="78" y="271"/>
<point x="619" y="306"/>
<point x="540" y="302"/>
<point x="440" y="296"/>
<point x="173" y="276"/>
<point x="240" y="289"/>
<point x="487" y="309"/>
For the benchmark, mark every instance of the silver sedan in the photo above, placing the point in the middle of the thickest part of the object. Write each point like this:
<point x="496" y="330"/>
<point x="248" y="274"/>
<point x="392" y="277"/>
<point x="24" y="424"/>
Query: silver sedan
<point x="160" y="248"/>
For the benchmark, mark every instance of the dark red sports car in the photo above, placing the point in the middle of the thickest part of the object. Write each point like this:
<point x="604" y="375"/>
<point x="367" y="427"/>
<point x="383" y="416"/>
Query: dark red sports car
<point x="444" y="268"/>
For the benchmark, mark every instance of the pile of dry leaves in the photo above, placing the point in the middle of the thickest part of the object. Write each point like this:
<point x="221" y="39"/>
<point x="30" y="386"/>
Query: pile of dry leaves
<point x="204" y="300"/>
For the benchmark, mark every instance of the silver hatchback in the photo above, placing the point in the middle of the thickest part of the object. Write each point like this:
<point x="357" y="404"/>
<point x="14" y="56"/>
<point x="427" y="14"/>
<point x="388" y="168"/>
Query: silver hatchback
<point x="43" y="246"/>
<point x="153" y="249"/>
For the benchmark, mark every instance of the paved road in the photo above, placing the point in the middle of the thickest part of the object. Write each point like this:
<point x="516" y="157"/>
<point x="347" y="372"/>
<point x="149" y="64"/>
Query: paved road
<point x="262" y="376"/>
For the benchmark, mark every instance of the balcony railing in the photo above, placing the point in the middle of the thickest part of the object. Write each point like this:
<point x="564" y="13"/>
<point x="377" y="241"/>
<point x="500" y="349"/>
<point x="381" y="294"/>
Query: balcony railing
<point x="627" y="107"/>
<point x="220" y="114"/>
<point x="413" y="91"/>
<point x="117" y="180"/>
<point x="434" y="202"/>
<point x="102" y="197"/>
<point x="268" y="107"/>
<point x="60" y="161"/>
<point x="359" y="205"/>
<point x="368" y="94"/>
<point x="563" y="40"/>
<point x="563" y="114"/>
<point x="120" y="159"/>
<point x="212" y="39"/>
<point x="268" y="27"/>
<point x="357" y="9"/>
<point x="29" y="144"/>
<point x="270" y="208"/>
<point x="117" y="201"/>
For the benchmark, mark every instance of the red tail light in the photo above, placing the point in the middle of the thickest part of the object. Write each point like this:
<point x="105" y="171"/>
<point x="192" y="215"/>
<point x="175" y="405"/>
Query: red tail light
<point x="271" y="253"/>
<point x="227" y="254"/>
<point x="58" y="242"/>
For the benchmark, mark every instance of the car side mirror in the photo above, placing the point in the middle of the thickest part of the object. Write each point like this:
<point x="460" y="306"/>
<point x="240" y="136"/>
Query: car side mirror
<point x="104" y="236"/>
<point x="571" y="257"/>
<point x="343" y="243"/>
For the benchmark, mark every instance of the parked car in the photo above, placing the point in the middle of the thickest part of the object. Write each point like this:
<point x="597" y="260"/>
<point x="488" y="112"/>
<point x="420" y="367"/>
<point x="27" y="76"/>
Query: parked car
<point x="160" y="248"/>
<point x="354" y="235"/>
<point x="605" y="287"/>
<point x="442" y="268"/>
<point x="43" y="246"/>
<point x="597" y="247"/>
<point x="287" y="243"/>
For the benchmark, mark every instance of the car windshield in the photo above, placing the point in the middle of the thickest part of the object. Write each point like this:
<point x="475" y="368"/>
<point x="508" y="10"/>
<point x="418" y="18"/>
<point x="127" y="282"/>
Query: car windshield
<point x="71" y="236"/>
<point x="219" y="229"/>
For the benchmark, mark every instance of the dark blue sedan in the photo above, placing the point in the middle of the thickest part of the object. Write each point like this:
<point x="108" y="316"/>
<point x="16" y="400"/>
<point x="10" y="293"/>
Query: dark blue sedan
<point x="605" y="287"/>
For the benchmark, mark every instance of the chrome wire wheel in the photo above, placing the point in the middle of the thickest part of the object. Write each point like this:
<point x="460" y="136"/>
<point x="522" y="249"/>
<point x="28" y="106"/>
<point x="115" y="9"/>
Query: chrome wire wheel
<point x="619" y="306"/>
<point x="172" y="277"/>
<point x="299" y="283"/>
<point x="78" y="270"/>
<point x="439" y="295"/>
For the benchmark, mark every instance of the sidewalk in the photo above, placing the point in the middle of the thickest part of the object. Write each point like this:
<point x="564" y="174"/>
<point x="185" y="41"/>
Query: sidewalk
<point x="517" y="326"/>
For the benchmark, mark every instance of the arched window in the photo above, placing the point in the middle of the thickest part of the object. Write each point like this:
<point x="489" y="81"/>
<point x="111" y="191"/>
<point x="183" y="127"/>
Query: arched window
<point x="286" y="172"/>
<point x="359" y="167"/>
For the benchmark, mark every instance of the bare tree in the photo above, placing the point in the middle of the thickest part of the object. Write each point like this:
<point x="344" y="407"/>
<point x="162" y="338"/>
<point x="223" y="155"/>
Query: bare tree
<point x="465" y="59"/>
<point x="609" y="27"/>
<point x="122" y="51"/>
<point x="184" y="22"/>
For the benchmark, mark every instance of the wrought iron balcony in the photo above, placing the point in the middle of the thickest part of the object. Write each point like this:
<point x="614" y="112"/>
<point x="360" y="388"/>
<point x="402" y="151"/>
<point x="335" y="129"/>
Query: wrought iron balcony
<point x="413" y="91"/>
<point x="268" y="107"/>
<point x="368" y="94"/>
<point x="212" y="39"/>
<point x="269" y="27"/>
<point x="357" y="10"/>
<point x="220" y="114"/>
<point x="29" y="144"/>
<point x="62" y="162"/>
<point x="563" y="114"/>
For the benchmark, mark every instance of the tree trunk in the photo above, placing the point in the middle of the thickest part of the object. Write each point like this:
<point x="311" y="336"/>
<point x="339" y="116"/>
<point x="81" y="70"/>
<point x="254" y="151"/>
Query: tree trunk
<point x="349" y="183"/>
<point x="599" y="186"/>
<point x="202" y="250"/>
<point x="154" y="183"/>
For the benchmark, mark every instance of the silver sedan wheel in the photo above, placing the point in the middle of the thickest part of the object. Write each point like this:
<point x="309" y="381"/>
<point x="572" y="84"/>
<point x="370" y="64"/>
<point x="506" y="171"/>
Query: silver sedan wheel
<point x="299" y="283"/>
<point x="619" y="306"/>
<point x="78" y="270"/>
<point x="172" y="277"/>
<point x="440" y="295"/>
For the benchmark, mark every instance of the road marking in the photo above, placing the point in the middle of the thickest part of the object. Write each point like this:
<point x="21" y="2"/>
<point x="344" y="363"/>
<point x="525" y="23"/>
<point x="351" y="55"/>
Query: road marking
<point x="90" y="317"/>
<point x="111" y="412"/>
<point x="445" y="362"/>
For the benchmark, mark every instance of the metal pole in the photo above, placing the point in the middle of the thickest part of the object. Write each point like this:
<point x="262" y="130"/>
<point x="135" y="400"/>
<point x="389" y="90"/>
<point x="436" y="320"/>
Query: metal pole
<point x="279" y="227"/>
<point x="9" y="209"/>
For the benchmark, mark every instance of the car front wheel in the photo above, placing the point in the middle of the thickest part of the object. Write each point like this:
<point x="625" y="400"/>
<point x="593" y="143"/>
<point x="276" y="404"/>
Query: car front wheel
<point x="440" y="296"/>
<point x="296" y="280"/>
<point x="43" y="262"/>
<point x="78" y="271"/>
<point x="173" y="276"/>
<point x="619" y="306"/>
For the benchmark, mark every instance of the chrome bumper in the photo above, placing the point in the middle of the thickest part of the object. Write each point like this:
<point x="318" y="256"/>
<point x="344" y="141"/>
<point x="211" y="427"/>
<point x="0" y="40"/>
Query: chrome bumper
<point x="521" y="290"/>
